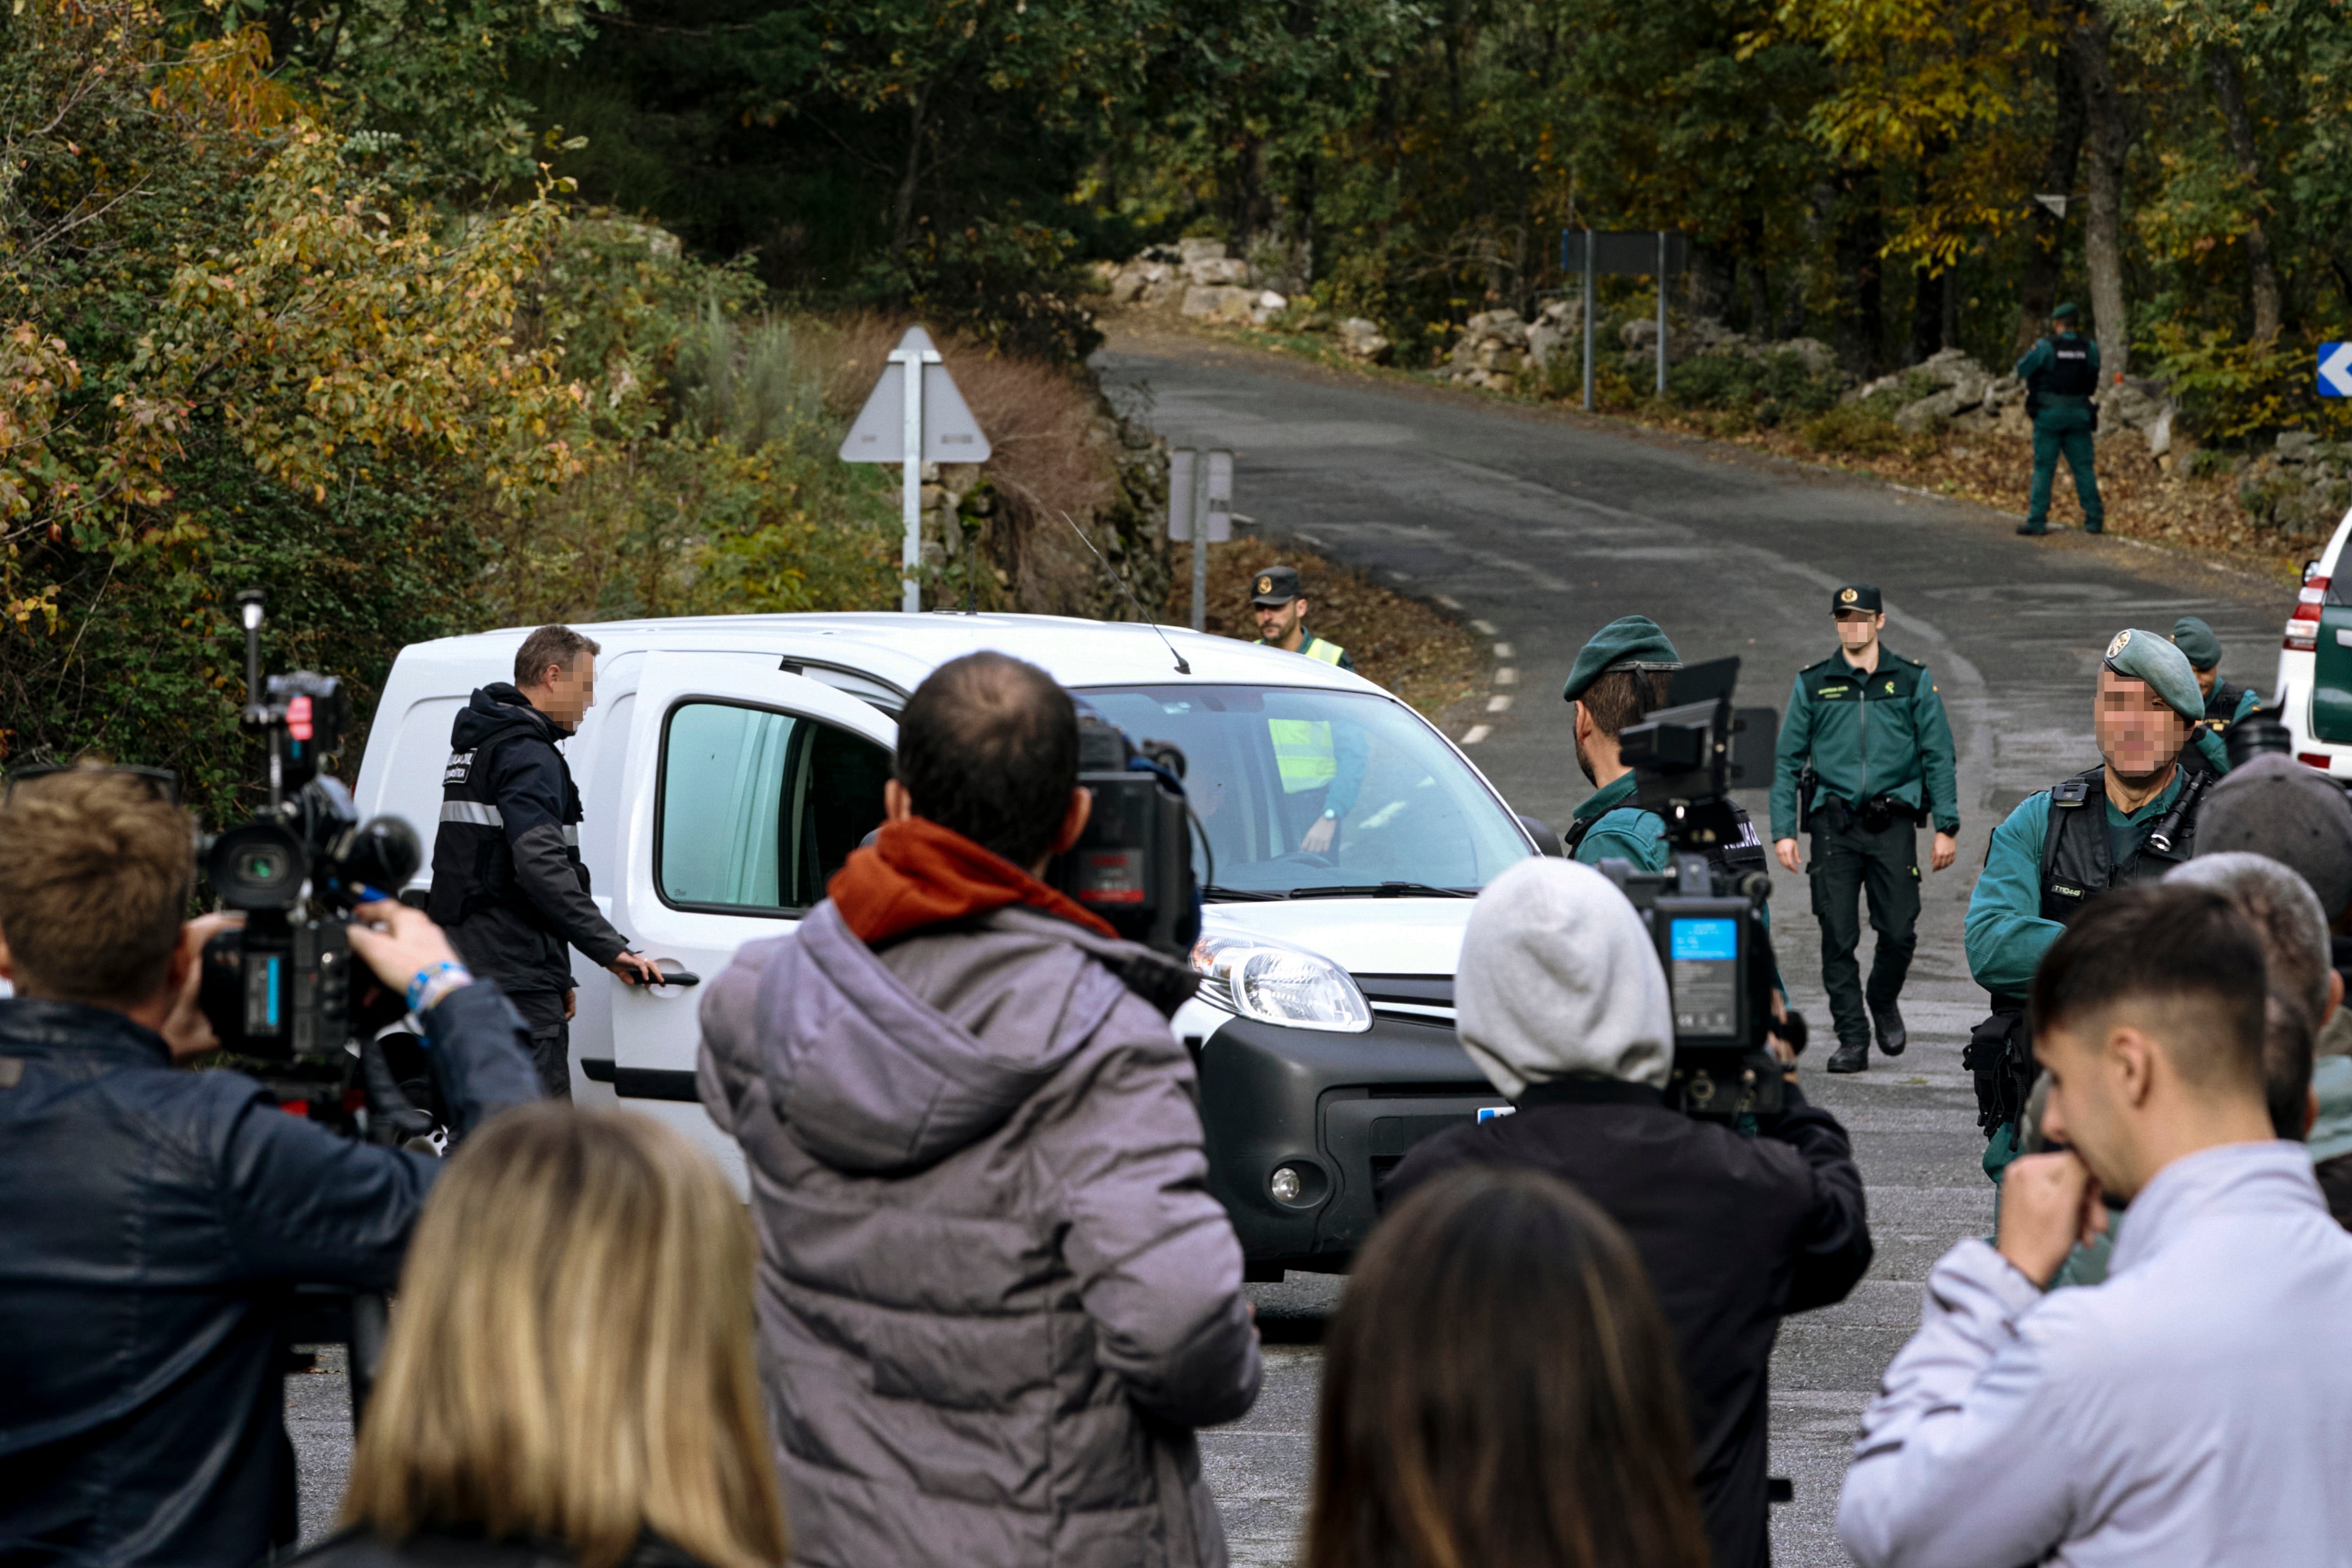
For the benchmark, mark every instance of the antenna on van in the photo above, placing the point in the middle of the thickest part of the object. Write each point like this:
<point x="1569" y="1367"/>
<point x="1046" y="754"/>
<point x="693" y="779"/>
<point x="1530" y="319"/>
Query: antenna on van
<point x="1181" y="668"/>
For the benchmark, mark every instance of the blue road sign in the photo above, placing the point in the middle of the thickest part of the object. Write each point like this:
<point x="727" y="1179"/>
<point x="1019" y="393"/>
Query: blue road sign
<point x="2335" y="370"/>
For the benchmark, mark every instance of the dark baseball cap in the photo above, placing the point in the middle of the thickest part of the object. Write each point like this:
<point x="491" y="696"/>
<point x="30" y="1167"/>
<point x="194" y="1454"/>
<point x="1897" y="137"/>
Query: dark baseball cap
<point x="2066" y="312"/>
<point x="1856" y="596"/>
<point x="1275" y="585"/>
<point x="2276" y="806"/>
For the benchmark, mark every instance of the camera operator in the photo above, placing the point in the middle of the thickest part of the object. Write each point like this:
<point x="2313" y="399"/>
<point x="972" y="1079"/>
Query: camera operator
<point x="1562" y="1003"/>
<point x="155" y="1218"/>
<point x="995" y="1295"/>
<point x="508" y="880"/>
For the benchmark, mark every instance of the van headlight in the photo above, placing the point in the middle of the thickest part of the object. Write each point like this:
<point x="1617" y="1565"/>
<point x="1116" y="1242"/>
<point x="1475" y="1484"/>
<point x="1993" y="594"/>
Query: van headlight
<point x="1274" y="982"/>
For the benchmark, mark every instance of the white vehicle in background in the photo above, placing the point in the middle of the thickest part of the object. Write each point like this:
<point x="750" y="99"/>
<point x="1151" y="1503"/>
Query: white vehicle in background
<point x="2314" y="669"/>
<point x="730" y="765"/>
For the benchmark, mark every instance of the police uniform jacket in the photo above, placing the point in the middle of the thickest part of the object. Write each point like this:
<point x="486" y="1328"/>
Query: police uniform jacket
<point x="2035" y="879"/>
<point x="508" y="880"/>
<point x="1880" y="734"/>
<point x="2063" y="371"/>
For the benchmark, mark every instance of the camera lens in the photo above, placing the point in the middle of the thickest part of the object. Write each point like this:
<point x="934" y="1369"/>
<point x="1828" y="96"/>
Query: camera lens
<point x="257" y="866"/>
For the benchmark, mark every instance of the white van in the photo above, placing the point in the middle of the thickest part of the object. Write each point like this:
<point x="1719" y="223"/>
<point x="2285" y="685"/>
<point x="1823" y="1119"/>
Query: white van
<point x="730" y="765"/>
<point x="2314" y="668"/>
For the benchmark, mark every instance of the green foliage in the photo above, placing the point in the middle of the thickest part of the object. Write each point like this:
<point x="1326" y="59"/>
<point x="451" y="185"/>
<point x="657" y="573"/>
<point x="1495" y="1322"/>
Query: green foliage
<point x="1853" y="430"/>
<point x="1772" y="388"/>
<point x="2234" y="391"/>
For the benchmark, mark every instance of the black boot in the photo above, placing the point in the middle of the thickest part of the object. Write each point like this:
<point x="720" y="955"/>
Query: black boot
<point x="1851" y="1056"/>
<point x="2031" y="530"/>
<point x="1891" y="1036"/>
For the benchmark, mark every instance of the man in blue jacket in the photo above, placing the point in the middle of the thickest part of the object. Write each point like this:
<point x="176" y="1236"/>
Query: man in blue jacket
<point x="156" y="1219"/>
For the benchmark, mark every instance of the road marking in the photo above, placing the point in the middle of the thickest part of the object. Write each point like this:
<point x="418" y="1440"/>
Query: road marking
<point x="1507" y="677"/>
<point x="1499" y="703"/>
<point x="1484" y="628"/>
<point x="1502" y="650"/>
<point x="1479" y="732"/>
<point x="1399" y="576"/>
<point x="1448" y="601"/>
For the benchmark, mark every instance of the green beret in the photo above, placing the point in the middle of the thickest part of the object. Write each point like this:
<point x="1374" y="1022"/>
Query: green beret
<point x="2144" y="657"/>
<point x="2196" y="639"/>
<point x="1628" y="643"/>
<point x="2066" y="312"/>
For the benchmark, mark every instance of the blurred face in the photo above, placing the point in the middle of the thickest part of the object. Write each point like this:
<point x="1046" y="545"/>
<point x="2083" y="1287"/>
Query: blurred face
<point x="1275" y="622"/>
<point x="1858" y="629"/>
<point x="566" y="695"/>
<point x="2139" y="735"/>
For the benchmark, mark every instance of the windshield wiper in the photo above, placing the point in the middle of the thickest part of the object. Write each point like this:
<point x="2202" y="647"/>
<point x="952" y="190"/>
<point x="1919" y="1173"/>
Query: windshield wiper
<point x="1385" y="890"/>
<point x="1216" y="894"/>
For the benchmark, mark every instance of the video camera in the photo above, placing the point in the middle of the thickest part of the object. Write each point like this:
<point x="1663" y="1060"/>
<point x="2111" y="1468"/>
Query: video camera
<point x="283" y="987"/>
<point x="1133" y="864"/>
<point x="1706" y="917"/>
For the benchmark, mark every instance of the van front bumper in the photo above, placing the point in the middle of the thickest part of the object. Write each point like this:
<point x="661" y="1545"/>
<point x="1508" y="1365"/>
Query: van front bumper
<point x="1338" y="1110"/>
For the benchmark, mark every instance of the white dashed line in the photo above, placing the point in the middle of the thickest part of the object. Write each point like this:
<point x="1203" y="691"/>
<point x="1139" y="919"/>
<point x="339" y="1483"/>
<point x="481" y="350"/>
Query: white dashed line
<point x="1484" y="628"/>
<point x="1400" y="576"/>
<point x="1448" y="601"/>
<point x="1507" y="677"/>
<point x="1502" y="650"/>
<point x="1499" y="703"/>
<point x="1479" y="732"/>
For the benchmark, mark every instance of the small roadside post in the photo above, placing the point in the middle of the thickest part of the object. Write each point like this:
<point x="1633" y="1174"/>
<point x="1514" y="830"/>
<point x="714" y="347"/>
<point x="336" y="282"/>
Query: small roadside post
<point x="1659" y="252"/>
<point x="2335" y="370"/>
<point x="1201" y="510"/>
<point x="911" y="419"/>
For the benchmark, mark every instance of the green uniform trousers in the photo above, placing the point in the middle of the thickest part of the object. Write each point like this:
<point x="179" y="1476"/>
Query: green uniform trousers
<point x="1882" y="866"/>
<point x="2075" y="444"/>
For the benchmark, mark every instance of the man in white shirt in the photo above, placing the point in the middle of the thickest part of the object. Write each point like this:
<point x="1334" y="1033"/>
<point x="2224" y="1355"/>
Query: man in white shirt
<point x="2196" y="1406"/>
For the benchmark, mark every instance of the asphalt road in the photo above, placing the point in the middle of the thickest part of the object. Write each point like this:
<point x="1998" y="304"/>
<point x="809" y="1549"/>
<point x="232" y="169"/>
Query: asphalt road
<point x="1536" y="528"/>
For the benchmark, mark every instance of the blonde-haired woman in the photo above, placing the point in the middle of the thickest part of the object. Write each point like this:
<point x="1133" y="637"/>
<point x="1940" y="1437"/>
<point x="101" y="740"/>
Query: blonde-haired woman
<point x="569" y="1377"/>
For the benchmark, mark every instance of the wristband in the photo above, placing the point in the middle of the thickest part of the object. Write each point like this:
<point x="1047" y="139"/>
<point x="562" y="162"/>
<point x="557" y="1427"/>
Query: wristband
<point x="433" y="984"/>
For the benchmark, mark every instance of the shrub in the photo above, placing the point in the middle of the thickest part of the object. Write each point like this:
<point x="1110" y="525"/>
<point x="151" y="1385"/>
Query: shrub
<point x="1853" y="429"/>
<point x="1771" y="388"/>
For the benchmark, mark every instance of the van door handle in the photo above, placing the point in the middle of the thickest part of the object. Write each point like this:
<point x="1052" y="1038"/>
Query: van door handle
<point x="675" y="977"/>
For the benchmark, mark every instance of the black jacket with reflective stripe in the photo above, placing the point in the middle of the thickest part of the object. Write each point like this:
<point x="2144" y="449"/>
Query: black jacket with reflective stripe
<point x="508" y="880"/>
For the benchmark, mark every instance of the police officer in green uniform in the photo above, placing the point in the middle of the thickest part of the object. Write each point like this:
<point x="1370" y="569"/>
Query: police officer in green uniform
<point x="1864" y="758"/>
<point x="1322" y="769"/>
<point x="2060" y="373"/>
<point x="1281" y="611"/>
<point x="2128" y="821"/>
<point x="2225" y="702"/>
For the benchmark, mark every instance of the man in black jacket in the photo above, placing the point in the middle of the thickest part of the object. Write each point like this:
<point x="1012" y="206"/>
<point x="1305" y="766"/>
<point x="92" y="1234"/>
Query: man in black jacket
<point x="508" y="880"/>
<point x="1561" y="1000"/>
<point x="156" y="1219"/>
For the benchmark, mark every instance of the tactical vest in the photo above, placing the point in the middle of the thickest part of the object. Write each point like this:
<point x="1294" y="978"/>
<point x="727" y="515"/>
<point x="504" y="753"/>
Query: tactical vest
<point x="1745" y="853"/>
<point x="2222" y="707"/>
<point x="473" y="865"/>
<point x="1303" y="753"/>
<point x="2077" y="865"/>
<point x="2069" y="374"/>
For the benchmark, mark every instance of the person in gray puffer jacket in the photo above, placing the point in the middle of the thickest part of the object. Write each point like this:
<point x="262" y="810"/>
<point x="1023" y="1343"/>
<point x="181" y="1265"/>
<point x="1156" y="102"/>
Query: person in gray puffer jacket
<point x="995" y="1296"/>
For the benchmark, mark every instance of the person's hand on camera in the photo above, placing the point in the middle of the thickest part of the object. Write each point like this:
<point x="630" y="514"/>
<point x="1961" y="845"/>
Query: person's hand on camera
<point x="398" y="943"/>
<point x="638" y="970"/>
<point x="2049" y="1205"/>
<point x="1789" y="860"/>
<point x="1947" y="850"/>
<point x="185" y="1028"/>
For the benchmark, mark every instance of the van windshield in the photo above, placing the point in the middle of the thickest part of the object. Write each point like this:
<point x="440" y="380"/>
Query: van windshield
<point x="1311" y="793"/>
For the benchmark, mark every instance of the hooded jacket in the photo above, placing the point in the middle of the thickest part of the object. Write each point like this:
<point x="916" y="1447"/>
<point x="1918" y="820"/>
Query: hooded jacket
<point x="1561" y="1003"/>
<point x="994" y="1293"/>
<point x="507" y="880"/>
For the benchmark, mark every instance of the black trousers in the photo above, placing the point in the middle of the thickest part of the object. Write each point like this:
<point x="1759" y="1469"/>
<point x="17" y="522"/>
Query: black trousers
<point x="550" y="1038"/>
<point x="1884" y="866"/>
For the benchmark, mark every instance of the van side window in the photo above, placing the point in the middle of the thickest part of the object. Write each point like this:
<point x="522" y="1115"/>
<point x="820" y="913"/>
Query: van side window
<point x="757" y="808"/>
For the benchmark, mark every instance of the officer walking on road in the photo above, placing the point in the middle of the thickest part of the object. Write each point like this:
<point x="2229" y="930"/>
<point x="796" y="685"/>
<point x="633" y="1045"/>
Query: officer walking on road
<point x="2225" y="702"/>
<point x="2060" y="373"/>
<point x="1864" y="758"/>
<point x="507" y="882"/>
<point x="1281" y="611"/>
<point x="2130" y="820"/>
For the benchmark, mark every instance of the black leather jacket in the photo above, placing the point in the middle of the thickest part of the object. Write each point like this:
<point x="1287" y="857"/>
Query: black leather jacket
<point x="152" y="1223"/>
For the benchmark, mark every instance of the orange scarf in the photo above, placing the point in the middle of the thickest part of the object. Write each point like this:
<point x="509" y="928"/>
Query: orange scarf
<point x="919" y="874"/>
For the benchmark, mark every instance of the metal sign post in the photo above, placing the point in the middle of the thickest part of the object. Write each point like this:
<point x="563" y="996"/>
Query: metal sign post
<point x="1201" y="509"/>
<point x="1657" y="253"/>
<point x="911" y="419"/>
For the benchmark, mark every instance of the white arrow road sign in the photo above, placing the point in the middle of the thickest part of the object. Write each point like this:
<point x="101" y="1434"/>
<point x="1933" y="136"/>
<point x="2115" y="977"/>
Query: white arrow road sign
<point x="911" y="420"/>
<point x="2335" y="370"/>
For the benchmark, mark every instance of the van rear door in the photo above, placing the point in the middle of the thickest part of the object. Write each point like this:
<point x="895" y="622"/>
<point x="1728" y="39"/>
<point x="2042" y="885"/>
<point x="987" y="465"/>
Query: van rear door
<point x="745" y="788"/>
